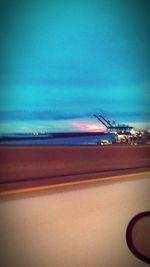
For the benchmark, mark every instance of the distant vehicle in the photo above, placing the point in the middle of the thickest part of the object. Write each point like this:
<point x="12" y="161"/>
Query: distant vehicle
<point x="104" y="142"/>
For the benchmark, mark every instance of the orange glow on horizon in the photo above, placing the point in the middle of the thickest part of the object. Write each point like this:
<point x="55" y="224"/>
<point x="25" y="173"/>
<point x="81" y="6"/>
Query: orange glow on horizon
<point x="89" y="127"/>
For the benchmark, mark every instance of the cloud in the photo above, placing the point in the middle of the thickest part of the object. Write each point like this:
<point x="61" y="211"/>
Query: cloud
<point x="89" y="127"/>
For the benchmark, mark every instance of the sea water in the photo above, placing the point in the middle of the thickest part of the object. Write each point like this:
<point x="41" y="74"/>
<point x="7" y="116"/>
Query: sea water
<point x="44" y="139"/>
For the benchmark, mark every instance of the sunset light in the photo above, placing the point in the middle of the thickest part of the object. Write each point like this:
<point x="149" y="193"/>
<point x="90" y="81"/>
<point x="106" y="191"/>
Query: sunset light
<point x="89" y="127"/>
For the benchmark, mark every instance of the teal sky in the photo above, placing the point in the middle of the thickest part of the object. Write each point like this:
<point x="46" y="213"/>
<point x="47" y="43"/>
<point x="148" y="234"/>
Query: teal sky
<point x="62" y="61"/>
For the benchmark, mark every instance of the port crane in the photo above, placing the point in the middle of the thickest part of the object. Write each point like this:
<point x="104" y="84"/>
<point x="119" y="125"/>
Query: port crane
<point x="118" y="129"/>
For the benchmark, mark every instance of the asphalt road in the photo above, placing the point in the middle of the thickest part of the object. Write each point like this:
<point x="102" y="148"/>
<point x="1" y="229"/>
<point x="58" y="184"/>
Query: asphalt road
<point x="82" y="225"/>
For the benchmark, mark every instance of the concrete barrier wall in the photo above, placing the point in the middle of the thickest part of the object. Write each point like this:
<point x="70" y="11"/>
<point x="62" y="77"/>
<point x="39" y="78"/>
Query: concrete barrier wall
<point x="25" y="162"/>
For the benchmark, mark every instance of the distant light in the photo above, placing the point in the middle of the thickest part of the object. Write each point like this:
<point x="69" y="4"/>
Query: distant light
<point x="132" y="131"/>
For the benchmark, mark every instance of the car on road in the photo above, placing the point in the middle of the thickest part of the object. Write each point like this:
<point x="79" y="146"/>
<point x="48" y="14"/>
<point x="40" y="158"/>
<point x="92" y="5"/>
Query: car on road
<point x="104" y="142"/>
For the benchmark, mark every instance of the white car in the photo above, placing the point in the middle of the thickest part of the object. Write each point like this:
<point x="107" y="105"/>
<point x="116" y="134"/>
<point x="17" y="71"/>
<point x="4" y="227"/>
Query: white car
<point x="104" y="142"/>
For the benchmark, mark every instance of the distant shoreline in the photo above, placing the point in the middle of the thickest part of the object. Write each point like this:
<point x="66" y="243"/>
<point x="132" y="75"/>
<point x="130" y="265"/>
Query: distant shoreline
<point x="49" y="137"/>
